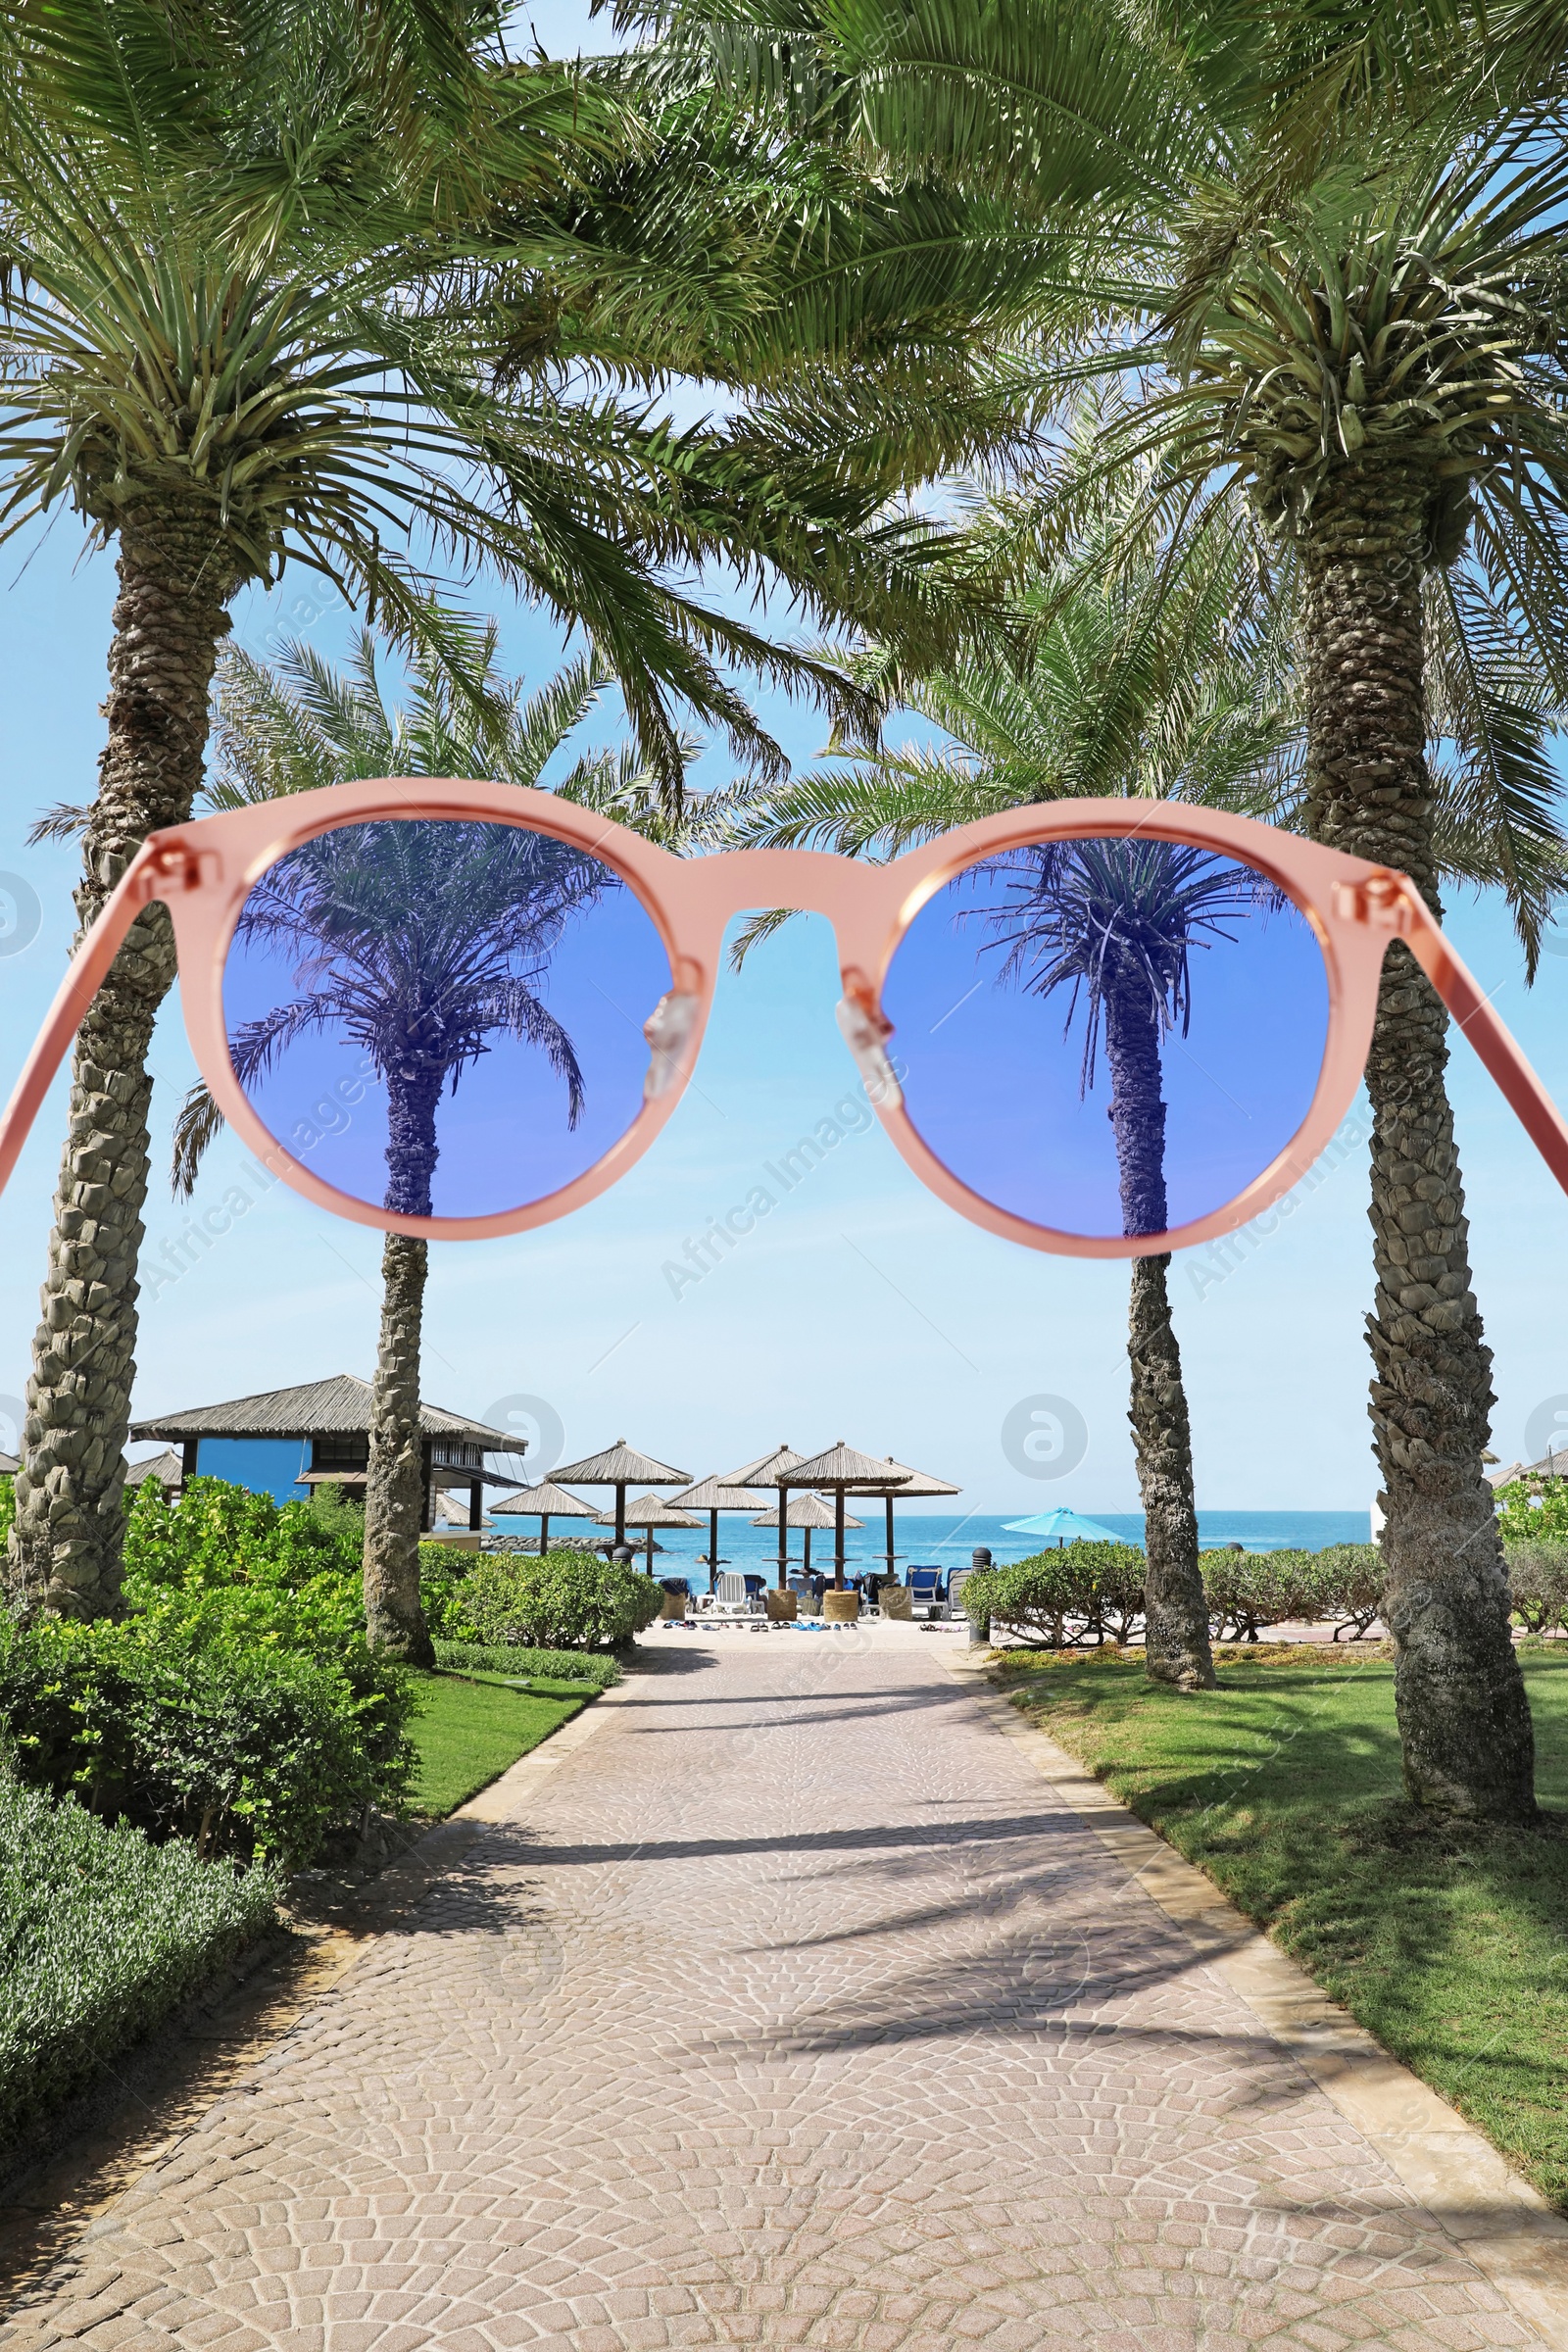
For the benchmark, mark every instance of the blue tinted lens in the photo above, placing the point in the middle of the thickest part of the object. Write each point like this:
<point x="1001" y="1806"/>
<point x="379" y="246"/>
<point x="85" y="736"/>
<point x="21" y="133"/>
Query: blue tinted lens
<point x="441" y="1018"/>
<point x="1109" y="1036"/>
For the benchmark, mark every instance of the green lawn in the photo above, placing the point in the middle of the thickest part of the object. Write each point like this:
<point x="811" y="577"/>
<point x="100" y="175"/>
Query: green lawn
<point x="470" y="1730"/>
<point x="1449" y="1944"/>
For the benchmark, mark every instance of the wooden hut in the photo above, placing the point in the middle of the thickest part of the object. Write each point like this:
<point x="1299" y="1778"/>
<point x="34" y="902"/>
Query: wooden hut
<point x="288" y="1441"/>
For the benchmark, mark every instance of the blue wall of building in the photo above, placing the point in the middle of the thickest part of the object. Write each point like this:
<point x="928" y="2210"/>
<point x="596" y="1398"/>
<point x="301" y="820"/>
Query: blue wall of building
<point x="267" y="1465"/>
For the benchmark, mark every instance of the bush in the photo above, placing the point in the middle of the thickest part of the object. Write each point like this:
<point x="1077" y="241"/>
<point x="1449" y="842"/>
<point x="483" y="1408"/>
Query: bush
<point x="1083" y="1592"/>
<point x="1537" y="1572"/>
<point x="1346" y="1581"/>
<point x="1533" y="1510"/>
<point x="1248" y="1590"/>
<point x="545" y="1665"/>
<point x="219" y="1536"/>
<point x="104" y="1934"/>
<point x="566" y="1601"/>
<point x="222" y="1720"/>
<point x="1067" y="1595"/>
<point x="441" y="1583"/>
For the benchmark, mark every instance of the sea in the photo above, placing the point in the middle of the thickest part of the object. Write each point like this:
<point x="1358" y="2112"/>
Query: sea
<point x="945" y="1539"/>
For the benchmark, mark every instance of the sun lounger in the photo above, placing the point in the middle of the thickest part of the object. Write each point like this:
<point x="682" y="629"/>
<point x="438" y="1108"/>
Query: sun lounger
<point x="926" y="1593"/>
<point x="734" y="1604"/>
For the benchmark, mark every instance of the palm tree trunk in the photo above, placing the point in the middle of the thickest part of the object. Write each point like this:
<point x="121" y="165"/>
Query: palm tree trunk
<point x="1176" y="1645"/>
<point x="168" y="621"/>
<point x="394" y="1497"/>
<point x="1464" y="1719"/>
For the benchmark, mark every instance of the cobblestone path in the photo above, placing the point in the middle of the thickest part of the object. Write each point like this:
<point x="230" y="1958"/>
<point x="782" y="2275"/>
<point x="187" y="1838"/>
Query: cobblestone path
<point x="801" y="2012"/>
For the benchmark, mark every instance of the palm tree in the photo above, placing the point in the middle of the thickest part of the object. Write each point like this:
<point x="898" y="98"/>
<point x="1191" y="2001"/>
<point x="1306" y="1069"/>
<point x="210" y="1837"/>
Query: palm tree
<point x="491" y="916"/>
<point x="1176" y="690"/>
<point x="1352" y="318"/>
<point x="421" y="941"/>
<point x="243" y="264"/>
<point x="1117" y="923"/>
<point x="1171" y="677"/>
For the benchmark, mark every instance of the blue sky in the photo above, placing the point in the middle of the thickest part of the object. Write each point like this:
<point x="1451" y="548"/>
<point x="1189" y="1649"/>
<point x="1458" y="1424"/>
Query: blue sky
<point x="860" y="1307"/>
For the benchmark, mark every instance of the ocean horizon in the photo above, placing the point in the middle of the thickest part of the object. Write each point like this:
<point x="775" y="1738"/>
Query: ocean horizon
<point x="946" y="1539"/>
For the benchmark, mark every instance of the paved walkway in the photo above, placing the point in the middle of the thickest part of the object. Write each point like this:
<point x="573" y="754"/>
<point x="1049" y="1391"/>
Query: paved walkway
<point x="801" y="2012"/>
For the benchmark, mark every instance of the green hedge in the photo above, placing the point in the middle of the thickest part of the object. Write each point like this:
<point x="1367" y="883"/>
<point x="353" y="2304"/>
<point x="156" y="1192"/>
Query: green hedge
<point x="104" y="1934"/>
<point x="543" y="1665"/>
<point x="238" y="1705"/>
<point x="1093" y="1592"/>
<point x="568" y="1600"/>
<point x="207" y="1726"/>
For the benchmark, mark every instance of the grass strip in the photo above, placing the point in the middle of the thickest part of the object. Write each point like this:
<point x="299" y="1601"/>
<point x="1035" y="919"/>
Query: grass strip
<point x="103" y="1936"/>
<point x="1449" y="1943"/>
<point x="468" y="1732"/>
<point x="548" y="1665"/>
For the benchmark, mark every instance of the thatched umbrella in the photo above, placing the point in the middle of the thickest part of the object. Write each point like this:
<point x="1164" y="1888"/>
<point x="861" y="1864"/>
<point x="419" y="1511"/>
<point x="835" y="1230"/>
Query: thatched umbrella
<point x="911" y="1482"/>
<point x="805" y="1511"/>
<point x="648" y="1511"/>
<point x="834" y="1472"/>
<point x="544" y="1502"/>
<point x="621" y="1466"/>
<point x="712" y="1495"/>
<point x="763" y="1473"/>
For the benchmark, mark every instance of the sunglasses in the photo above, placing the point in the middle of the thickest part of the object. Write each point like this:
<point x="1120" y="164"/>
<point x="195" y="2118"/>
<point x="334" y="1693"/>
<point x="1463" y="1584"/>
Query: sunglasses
<point x="1102" y="1028"/>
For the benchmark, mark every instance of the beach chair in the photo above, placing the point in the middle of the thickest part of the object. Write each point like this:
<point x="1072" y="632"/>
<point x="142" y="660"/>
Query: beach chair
<point x="956" y="1581"/>
<point x="734" y="1604"/>
<point x="926" y="1594"/>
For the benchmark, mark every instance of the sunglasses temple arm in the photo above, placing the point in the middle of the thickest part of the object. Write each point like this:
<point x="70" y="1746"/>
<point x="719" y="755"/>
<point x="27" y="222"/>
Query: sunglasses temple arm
<point x="1458" y="986"/>
<point x="83" y="978"/>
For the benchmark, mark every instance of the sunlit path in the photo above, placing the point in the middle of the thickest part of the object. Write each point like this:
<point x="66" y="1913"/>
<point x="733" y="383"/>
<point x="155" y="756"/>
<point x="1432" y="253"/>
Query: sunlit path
<point x="799" y="2013"/>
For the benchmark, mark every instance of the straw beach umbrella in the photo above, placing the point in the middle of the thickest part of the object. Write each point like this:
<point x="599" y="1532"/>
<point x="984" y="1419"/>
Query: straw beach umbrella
<point x="621" y="1466"/>
<point x="763" y="1473"/>
<point x="835" y="1472"/>
<point x="712" y="1495"/>
<point x="806" y="1511"/>
<point x="544" y="1502"/>
<point x="911" y="1481"/>
<point x="648" y="1511"/>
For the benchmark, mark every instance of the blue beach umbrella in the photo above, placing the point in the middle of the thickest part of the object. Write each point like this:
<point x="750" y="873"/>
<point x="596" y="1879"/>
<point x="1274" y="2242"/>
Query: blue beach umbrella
<point x="1063" y="1526"/>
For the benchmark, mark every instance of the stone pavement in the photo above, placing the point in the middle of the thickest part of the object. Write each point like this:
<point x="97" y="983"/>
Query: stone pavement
<point x="797" y="2010"/>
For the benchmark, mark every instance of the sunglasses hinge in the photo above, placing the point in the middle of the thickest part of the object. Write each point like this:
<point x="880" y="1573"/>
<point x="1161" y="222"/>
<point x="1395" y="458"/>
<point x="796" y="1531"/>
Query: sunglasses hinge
<point x="174" y="865"/>
<point x="1381" y="901"/>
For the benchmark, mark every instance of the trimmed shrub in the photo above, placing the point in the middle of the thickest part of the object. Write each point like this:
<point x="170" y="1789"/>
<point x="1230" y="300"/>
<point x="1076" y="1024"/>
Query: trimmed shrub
<point x="1250" y="1589"/>
<point x="545" y="1665"/>
<point x="1537" y="1573"/>
<point x="1093" y="1592"/>
<point x="1111" y="1577"/>
<point x="566" y="1601"/>
<point x="1070" y="1593"/>
<point x="1347" y="1583"/>
<point x="104" y="1934"/>
<point x="228" y="1719"/>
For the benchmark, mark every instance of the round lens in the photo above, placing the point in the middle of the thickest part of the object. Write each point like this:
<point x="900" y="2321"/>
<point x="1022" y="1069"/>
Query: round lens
<point x="441" y="1018"/>
<point x="1108" y="1035"/>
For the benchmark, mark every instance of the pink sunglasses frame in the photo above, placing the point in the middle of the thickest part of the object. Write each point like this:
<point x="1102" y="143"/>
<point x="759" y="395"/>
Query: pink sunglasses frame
<point x="203" y="870"/>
